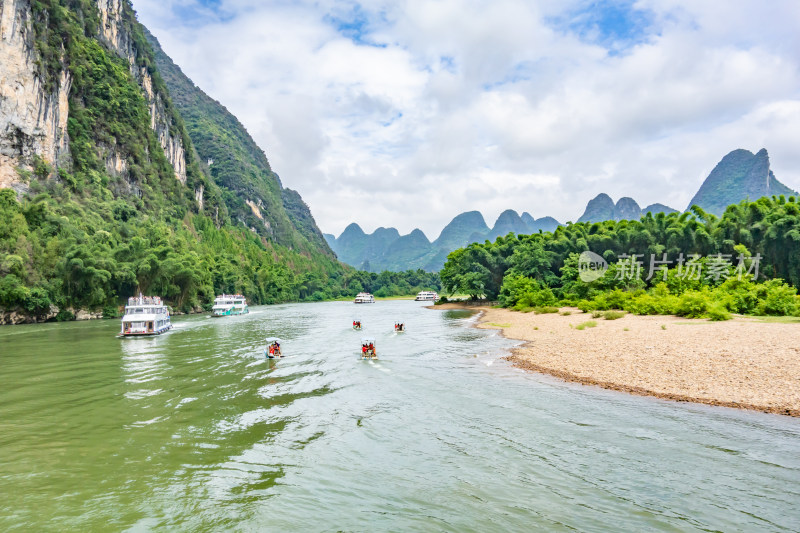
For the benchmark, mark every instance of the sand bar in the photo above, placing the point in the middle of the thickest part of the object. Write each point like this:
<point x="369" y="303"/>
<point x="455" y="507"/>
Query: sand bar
<point x="744" y="362"/>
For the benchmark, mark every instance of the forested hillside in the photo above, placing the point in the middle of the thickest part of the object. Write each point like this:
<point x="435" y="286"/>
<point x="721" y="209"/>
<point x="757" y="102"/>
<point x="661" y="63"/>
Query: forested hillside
<point x="125" y="205"/>
<point x="713" y="266"/>
<point x="255" y="195"/>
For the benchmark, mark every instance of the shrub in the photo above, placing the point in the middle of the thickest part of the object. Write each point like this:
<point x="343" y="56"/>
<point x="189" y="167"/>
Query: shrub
<point x="37" y="301"/>
<point x="545" y="310"/>
<point x="741" y="295"/>
<point x="648" y="304"/>
<point x="613" y="315"/>
<point x="718" y="312"/>
<point x="65" y="316"/>
<point x="540" y="298"/>
<point x="110" y="311"/>
<point x="694" y="304"/>
<point x="587" y="324"/>
<point x="776" y="298"/>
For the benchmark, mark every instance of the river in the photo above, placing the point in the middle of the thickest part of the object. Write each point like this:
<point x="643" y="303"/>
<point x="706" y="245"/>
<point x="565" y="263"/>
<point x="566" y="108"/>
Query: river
<point x="196" y="431"/>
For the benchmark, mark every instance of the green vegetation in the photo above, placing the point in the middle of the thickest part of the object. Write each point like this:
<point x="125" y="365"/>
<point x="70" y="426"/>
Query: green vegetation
<point x="542" y="269"/>
<point x="613" y="315"/>
<point x="91" y="253"/>
<point x="587" y="324"/>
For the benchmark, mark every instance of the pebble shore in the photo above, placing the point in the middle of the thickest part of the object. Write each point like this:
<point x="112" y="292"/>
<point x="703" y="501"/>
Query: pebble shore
<point x="744" y="362"/>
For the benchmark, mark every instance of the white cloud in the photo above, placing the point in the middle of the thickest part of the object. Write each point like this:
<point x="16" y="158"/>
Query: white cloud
<point x="411" y="112"/>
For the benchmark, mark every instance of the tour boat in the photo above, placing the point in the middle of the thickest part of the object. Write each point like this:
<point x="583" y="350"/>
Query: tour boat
<point x="427" y="296"/>
<point x="364" y="298"/>
<point x="229" y="305"/>
<point x="357" y="323"/>
<point x="368" y="348"/>
<point x="145" y="315"/>
<point x="273" y="350"/>
<point x="399" y="326"/>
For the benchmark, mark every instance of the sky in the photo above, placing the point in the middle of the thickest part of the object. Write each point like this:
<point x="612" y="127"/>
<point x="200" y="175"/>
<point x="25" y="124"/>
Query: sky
<point x="405" y="113"/>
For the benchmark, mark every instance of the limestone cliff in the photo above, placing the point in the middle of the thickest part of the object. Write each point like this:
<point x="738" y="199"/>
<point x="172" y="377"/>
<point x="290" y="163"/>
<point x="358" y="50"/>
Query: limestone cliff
<point x="33" y="121"/>
<point x="116" y="34"/>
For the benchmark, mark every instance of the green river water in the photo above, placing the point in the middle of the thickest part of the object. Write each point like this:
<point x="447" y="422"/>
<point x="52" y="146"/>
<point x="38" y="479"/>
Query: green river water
<point x="196" y="431"/>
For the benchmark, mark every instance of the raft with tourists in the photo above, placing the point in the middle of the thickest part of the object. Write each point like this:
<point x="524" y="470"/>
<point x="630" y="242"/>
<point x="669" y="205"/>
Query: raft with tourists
<point x="368" y="348"/>
<point x="145" y="316"/>
<point x="273" y="349"/>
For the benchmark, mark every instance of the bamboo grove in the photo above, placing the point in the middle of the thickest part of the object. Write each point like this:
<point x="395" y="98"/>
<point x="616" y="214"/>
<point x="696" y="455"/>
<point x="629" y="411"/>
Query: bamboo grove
<point x="530" y="271"/>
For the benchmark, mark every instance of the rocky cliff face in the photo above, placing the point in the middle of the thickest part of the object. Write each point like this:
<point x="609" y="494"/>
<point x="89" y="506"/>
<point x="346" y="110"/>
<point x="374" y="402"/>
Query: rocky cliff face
<point x="34" y="121"/>
<point x="117" y="37"/>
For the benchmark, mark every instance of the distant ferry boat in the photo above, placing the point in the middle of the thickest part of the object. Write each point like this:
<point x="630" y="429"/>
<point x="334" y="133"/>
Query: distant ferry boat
<point x="427" y="296"/>
<point x="229" y="304"/>
<point x="145" y="315"/>
<point x="364" y="298"/>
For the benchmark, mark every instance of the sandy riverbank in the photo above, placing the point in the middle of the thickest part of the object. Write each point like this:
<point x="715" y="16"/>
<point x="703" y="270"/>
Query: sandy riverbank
<point x="742" y="362"/>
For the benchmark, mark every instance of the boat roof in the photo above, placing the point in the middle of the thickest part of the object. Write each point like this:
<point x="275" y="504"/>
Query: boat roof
<point x="273" y="339"/>
<point x="367" y="340"/>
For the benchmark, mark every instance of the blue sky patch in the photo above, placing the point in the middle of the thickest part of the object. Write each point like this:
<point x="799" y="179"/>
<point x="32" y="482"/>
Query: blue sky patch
<point x="355" y="24"/>
<point x="202" y="11"/>
<point x="614" y="24"/>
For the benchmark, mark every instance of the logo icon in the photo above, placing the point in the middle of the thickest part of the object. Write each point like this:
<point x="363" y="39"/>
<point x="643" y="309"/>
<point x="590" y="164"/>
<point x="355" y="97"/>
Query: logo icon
<point x="591" y="266"/>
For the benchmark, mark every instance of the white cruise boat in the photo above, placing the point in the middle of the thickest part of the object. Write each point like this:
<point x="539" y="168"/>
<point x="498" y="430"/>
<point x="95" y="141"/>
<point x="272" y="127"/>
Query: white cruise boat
<point x="229" y="305"/>
<point x="145" y="315"/>
<point x="427" y="296"/>
<point x="364" y="298"/>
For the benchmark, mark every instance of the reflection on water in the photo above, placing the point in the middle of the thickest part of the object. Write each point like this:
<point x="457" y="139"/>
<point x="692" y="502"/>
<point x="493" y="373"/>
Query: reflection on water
<point x="194" y="430"/>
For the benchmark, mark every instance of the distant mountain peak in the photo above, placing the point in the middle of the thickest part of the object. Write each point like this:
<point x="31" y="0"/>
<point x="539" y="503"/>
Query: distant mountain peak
<point x="739" y="175"/>
<point x="527" y="218"/>
<point x="599" y="208"/>
<point x="418" y="233"/>
<point x="353" y="228"/>
<point x="627" y="209"/>
<point x="459" y="230"/>
<point x="602" y="208"/>
<point x="509" y="221"/>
